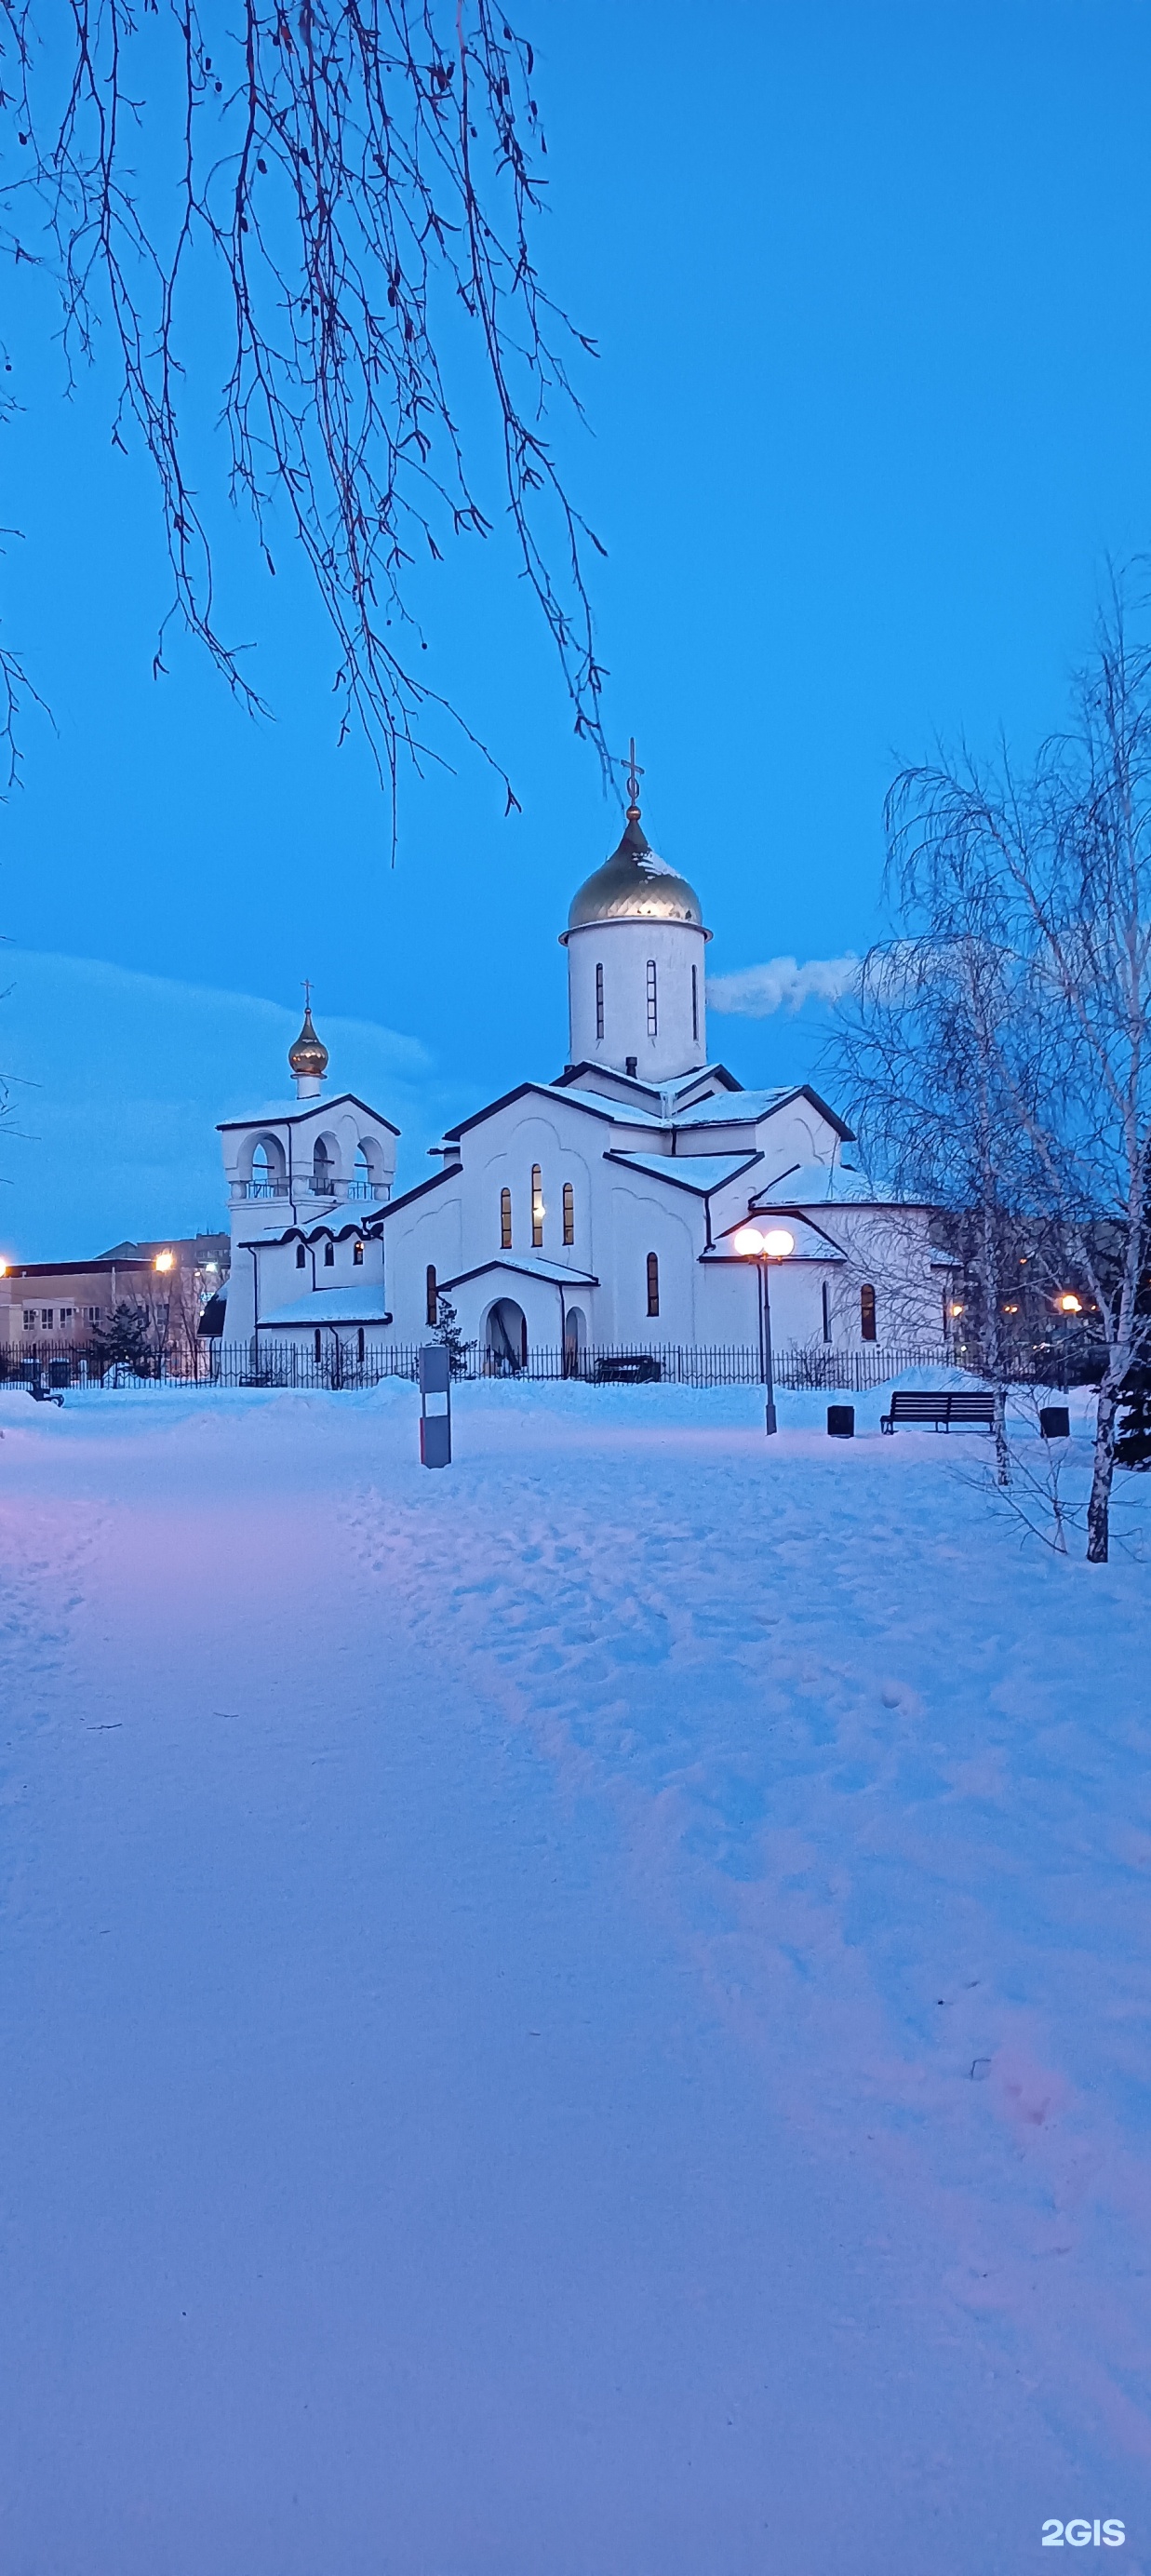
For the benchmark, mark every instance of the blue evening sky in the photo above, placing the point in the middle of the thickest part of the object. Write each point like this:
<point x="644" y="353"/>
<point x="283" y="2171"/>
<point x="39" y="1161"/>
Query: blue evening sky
<point x="870" y="283"/>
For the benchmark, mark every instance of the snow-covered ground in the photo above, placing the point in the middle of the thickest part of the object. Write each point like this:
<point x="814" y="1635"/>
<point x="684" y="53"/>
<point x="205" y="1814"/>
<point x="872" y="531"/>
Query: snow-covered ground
<point x="586" y="2015"/>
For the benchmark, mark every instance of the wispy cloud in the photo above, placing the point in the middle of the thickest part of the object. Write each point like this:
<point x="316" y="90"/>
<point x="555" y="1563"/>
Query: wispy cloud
<point x="782" y="985"/>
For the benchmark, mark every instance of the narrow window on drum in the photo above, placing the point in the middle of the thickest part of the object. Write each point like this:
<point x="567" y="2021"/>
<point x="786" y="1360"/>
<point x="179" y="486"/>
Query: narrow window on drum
<point x="694" y="1003"/>
<point x="537" y="1209"/>
<point x="432" y="1306"/>
<point x="569" y="1213"/>
<point x="652" y="1283"/>
<point x="599" y="1001"/>
<point x="652" y="1009"/>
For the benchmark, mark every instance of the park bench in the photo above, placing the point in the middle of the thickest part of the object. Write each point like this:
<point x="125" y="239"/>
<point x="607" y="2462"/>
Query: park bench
<point x="628" y="1368"/>
<point x="918" y="1404"/>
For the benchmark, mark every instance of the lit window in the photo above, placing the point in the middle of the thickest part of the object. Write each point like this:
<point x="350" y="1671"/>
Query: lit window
<point x="867" y="1311"/>
<point x="358" y="1261"/>
<point x="694" y="1003"/>
<point x="825" y="1296"/>
<point x="329" y="1255"/>
<point x="432" y="1302"/>
<point x="569" y="1213"/>
<point x="537" y="1208"/>
<point x="652" y="1011"/>
<point x="599" y="1001"/>
<point x="301" y="1257"/>
<point x="652" y="1284"/>
<point x="505" y="1220"/>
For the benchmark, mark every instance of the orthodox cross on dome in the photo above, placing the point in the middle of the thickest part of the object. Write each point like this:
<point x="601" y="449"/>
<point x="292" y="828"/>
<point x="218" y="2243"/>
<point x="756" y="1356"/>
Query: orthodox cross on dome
<point x="634" y="775"/>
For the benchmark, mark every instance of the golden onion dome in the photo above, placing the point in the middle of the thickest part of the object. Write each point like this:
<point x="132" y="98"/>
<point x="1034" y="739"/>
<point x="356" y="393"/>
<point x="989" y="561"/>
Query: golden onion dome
<point x="633" y="885"/>
<point x="309" y="1055"/>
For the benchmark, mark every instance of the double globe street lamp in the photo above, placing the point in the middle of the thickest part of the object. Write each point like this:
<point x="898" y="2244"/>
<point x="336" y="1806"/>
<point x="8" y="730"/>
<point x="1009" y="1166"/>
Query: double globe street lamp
<point x="763" y="1249"/>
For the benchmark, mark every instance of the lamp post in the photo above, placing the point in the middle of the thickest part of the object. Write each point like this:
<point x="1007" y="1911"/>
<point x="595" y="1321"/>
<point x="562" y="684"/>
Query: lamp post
<point x="763" y="1249"/>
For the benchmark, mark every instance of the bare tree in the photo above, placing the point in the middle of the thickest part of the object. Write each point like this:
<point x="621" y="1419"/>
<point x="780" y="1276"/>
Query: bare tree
<point x="313" y="225"/>
<point x="1009" y="1025"/>
<point x="919" y="1055"/>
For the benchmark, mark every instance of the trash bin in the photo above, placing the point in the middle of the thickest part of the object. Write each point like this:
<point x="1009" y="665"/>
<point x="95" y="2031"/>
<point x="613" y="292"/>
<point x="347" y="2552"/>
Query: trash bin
<point x="841" y="1422"/>
<point x="1055" y="1422"/>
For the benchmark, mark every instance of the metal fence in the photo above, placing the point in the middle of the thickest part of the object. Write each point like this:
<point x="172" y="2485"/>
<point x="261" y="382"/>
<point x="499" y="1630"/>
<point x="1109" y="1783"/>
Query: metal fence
<point x="58" y="1366"/>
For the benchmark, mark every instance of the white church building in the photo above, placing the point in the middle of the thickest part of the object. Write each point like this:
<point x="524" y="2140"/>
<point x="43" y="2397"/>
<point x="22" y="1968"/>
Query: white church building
<point x="598" y="1211"/>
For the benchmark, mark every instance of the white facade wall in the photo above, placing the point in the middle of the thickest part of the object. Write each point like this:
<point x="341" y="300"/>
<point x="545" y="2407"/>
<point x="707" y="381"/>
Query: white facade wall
<point x="624" y="950"/>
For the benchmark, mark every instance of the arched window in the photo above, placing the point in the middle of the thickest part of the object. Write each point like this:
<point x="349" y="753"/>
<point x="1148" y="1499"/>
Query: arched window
<point x="268" y="1169"/>
<point x="652" y="1011"/>
<point x="329" y="1254"/>
<point x="537" y="1208"/>
<point x="505" y="1220"/>
<point x="867" y="1311"/>
<point x="432" y="1306"/>
<point x="301" y="1257"/>
<point x="323" y="1171"/>
<point x="359" y="1341"/>
<point x="694" y="1003"/>
<point x="569" y="1213"/>
<point x="825" y="1300"/>
<point x="599" y="1001"/>
<point x="317" y="1344"/>
<point x="652" y="1284"/>
<point x="357" y="1255"/>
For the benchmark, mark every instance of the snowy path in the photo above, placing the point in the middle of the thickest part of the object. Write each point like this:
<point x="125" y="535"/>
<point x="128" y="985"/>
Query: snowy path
<point x="494" y="1965"/>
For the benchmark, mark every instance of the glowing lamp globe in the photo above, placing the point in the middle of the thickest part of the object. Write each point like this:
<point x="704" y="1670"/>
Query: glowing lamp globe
<point x="778" y="1243"/>
<point x="165" y="1261"/>
<point x="1069" y="1306"/>
<point x="749" y="1241"/>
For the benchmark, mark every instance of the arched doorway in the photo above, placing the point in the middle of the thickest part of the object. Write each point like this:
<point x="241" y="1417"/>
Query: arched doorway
<point x="575" y="1341"/>
<point x="506" y="1337"/>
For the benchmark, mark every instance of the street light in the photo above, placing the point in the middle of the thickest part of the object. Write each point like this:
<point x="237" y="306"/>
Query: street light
<point x="1069" y="1305"/>
<point x="763" y="1249"/>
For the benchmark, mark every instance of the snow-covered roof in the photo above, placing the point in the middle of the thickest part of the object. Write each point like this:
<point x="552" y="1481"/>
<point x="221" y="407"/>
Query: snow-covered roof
<point x="528" y="1266"/>
<point x="598" y="1103"/>
<point x="280" y="1113"/>
<point x="732" y="1108"/>
<point x="702" y="1173"/>
<point x="735" y="1107"/>
<point x="351" y="1304"/>
<point x="811" y="1243"/>
<point x="602" y="1105"/>
<point x="818" y="1185"/>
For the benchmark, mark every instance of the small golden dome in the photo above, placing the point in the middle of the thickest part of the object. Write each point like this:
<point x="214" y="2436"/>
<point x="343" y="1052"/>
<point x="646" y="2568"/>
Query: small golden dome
<point x="309" y="1056"/>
